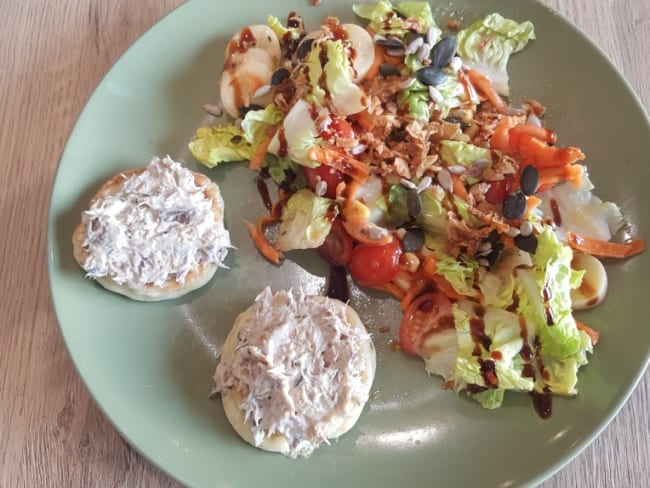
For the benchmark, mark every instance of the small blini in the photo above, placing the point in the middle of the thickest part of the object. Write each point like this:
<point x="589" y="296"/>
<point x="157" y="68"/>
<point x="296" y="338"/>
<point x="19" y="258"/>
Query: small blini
<point x="295" y="371"/>
<point x="153" y="233"/>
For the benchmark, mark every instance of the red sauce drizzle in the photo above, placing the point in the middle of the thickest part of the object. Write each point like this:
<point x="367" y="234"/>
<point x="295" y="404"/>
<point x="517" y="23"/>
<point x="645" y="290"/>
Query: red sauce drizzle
<point x="283" y="149"/>
<point x="337" y="283"/>
<point x="263" y="190"/>
<point x="543" y="404"/>
<point x="555" y="210"/>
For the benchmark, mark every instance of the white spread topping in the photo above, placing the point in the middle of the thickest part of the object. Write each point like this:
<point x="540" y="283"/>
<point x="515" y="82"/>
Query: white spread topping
<point x="299" y="364"/>
<point x="158" y="225"/>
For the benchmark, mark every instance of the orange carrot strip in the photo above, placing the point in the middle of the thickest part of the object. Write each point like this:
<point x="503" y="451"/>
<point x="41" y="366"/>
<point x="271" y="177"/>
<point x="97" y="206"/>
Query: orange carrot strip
<point x="261" y="243"/>
<point x="593" y="334"/>
<point x="569" y="172"/>
<point x="541" y="133"/>
<point x="459" y="188"/>
<point x="260" y="153"/>
<point x="605" y="249"/>
<point x="393" y="289"/>
<point x="545" y="156"/>
<point x="484" y="85"/>
<point x="340" y="162"/>
<point x="363" y="120"/>
<point x="373" y="71"/>
<point x="532" y="202"/>
<point x="501" y="136"/>
<point x="508" y="242"/>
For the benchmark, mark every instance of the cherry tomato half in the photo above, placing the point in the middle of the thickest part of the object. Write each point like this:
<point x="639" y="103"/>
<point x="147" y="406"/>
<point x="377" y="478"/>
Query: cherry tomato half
<point x="338" y="246"/>
<point x="425" y="314"/>
<point x="497" y="191"/>
<point x="375" y="265"/>
<point x="330" y="176"/>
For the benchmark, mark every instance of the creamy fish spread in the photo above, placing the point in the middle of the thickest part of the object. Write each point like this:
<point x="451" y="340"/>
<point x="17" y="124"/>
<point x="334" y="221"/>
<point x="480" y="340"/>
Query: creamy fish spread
<point x="158" y="225"/>
<point x="299" y="365"/>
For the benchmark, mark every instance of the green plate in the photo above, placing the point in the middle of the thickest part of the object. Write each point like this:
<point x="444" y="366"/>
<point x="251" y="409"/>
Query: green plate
<point x="149" y="366"/>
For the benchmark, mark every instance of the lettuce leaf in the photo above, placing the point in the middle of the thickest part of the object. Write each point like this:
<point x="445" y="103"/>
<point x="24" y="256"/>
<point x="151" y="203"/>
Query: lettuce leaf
<point x="219" y="144"/>
<point x="306" y="221"/>
<point x="487" y="44"/>
<point x="299" y="135"/>
<point x="343" y="96"/>
<point x="384" y="18"/>
<point x="225" y="143"/>
<point x="457" y="152"/>
<point x="459" y="273"/>
<point x="281" y="31"/>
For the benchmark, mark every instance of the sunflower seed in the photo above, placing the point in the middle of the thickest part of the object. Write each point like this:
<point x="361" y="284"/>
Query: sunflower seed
<point x="358" y="149"/>
<point x="456" y="64"/>
<point x="435" y="95"/>
<point x="484" y="262"/>
<point x="431" y="36"/>
<point x="513" y="231"/>
<point x="395" y="51"/>
<point x="414" y="45"/>
<point x="423" y="52"/>
<point x="456" y="169"/>
<point x="215" y="110"/>
<point x="444" y="178"/>
<point x="407" y="83"/>
<point x="526" y="228"/>
<point x="320" y="188"/>
<point x="485" y="247"/>
<point x="408" y="184"/>
<point x="424" y="183"/>
<point x="261" y="91"/>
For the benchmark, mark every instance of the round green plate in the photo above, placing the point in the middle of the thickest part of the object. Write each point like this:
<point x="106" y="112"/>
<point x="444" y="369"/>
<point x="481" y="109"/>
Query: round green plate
<point x="149" y="365"/>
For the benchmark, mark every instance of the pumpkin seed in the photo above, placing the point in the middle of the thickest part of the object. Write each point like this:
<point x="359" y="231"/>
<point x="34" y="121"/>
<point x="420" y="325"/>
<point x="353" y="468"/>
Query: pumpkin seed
<point x="430" y="76"/>
<point x="443" y="52"/>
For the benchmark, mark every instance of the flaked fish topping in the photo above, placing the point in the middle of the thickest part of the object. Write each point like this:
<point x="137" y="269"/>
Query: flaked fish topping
<point x="299" y="364"/>
<point x="158" y="225"/>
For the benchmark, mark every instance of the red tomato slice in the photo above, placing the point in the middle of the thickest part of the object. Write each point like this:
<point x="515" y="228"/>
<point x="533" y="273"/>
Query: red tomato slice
<point x="330" y="176"/>
<point x="374" y="265"/>
<point x="425" y="314"/>
<point x="497" y="191"/>
<point x="338" y="246"/>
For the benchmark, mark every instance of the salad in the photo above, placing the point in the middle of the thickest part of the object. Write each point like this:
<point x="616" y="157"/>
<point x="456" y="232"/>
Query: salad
<point x="397" y="156"/>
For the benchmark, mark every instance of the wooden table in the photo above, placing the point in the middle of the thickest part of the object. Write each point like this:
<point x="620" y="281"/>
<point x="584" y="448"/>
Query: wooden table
<point x="52" y="54"/>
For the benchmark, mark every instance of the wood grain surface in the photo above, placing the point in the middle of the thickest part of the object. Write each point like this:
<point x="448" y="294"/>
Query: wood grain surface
<point x="52" y="54"/>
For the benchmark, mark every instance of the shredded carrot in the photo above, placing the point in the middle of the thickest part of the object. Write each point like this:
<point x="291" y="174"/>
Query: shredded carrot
<point x="260" y="153"/>
<point x="429" y="266"/>
<point x="484" y="85"/>
<point x="532" y="202"/>
<point x="553" y="175"/>
<point x="501" y="136"/>
<point x="605" y="249"/>
<point x="425" y="274"/>
<point x="459" y="188"/>
<point x="261" y="243"/>
<point x="508" y="242"/>
<point x="541" y="133"/>
<point x="393" y="289"/>
<point x="363" y="119"/>
<point x="544" y="156"/>
<point x="340" y="162"/>
<point x="593" y="334"/>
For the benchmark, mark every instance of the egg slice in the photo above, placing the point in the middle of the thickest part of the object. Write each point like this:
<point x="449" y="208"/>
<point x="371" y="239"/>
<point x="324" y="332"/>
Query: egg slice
<point x="243" y="74"/>
<point x="593" y="288"/>
<point x="255" y="36"/>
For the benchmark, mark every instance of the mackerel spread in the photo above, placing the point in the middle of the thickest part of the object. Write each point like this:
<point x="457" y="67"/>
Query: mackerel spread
<point x="299" y="364"/>
<point x="158" y="225"/>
